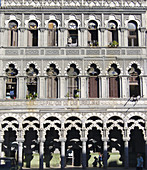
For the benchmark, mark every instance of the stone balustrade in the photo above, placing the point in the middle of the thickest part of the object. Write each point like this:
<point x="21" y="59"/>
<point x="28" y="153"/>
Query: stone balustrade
<point x="75" y="3"/>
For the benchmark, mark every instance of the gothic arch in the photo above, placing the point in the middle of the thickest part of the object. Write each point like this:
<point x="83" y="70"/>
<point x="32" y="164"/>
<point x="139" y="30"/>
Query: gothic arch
<point x="93" y="62"/>
<point x="72" y="18"/>
<point x="112" y="18"/>
<point x="118" y="66"/>
<point x="77" y="66"/>
<point x="112" y="114"/>
<point x="48" y="66"/>
<point x="12" y="17"/>
<point x="138" y="66"/>
<point x="92" y="18"/>
<point x="68" y="115"/>
<point x="52" y="18"/>
<point x="36" y="66"/>
<point x="98" y="115"/>
<point x="7" y="66"/>
<point x="132" y="18"/>
<point x="32" y="17"/>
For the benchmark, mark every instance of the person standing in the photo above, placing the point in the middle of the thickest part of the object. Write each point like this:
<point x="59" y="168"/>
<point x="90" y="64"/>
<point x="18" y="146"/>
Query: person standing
<point x="139" y="162"/>
<point x="100" y="160"/>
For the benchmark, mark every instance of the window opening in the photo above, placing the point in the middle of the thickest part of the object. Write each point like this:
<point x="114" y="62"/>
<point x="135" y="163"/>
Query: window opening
<point x="32" y="73"/>
<point x="92" y="34"/>
<point x="134" y="81"/>
<point x="114" y="82"/>
<point x="73" y="81"/>
<point x="72" y="34"/>
<point x="33" y="33"/>
<point x="11" y="83"/>
<point x="52" y="34"/>
<point x="93" y="82"/>
<point x="52" y="81"/>
<point x="112" y="32"/>
<point x="132" y="34"/>
<point x="13" y="33"/>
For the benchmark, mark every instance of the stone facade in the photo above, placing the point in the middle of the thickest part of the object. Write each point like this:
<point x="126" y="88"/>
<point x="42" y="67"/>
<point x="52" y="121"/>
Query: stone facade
<point x="73" y="81"/>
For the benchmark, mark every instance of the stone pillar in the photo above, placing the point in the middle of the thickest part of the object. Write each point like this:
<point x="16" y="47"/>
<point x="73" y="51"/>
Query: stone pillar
<point x="21" y="38"/>
<point x="83" y="37"/>
<point x="84" y="153"/>
<point x="121" y="43"/>
<point x="21" y="87"/>
<point x="1" y="141"/>
<point x="145" y="154"/>
<point x="20" y="140"/>
<point x="63" y="38"/>
<point x="105" y="153"/>
<point x="125" y="87"/>
<point x="104" y="37"/>
<point x="2" y="84"/>
<point x="104" y="87"/>
<point x="41" y="39"/>
<point x="142" y="32"/>
<point x="83" y="87"/>
<point x="63" y="87"/>
<point x="41" y="148"/>
<point x="42" y="87"/>
<point x="125" y="38"/>
<point x="126" y="154"/>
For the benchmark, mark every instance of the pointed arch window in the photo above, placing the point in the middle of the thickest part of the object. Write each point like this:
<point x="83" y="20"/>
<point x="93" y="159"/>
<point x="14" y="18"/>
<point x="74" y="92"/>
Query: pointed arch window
<point x="134" y="81"/>
<point x="112" y="32"/>
<point x="52" y="81"/>
<point x="13" y="33"/>
<point x="93" y="81"/>
<point x="52" y="33"/>
<point x="33" y="33"/>
<point x="72" y="33"/>
<point x="114" y="82"/>
<point x="32" y="73"/>
<point x="11" y="83"/>
<point x="73" y="80"/>
<point x="132" y="34"/>
<point x="92" y="33"/>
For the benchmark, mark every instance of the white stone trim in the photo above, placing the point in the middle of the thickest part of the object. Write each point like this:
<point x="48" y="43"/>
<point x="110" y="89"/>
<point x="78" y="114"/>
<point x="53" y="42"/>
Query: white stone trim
<point x="32" y="17"/>
<point x="132" y="18"/>
<point x="48" y="66"/>
<point x="118" y="66"/>
<point x="7" y="66"/>
<point x="96" y="63"/>
<point x="36" y="66"/>
<point x="92" y="18"/>
<point x="112" y="18"/>
<point x="12" y="17"/>
<point x="138" y="66"/>
<point x="72" y="18"/>
<point x="52" y="18"/>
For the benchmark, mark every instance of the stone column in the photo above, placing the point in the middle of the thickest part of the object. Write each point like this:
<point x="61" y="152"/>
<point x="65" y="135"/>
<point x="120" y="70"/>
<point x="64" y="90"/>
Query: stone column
<point x="41" y="147"/>
<point x="104" y="87"/>
<point x="121" y="43"/>
<point x="42" y="87"/>
<point x="63" y="87"/>
<point x="142" y="32"/>
<point x="63" y="38"/>
<point x="21" y="87"/>
<point x="145" y="154"/>
<point x="103" y="40"/>
<point x="20" y="140"/>
<point x="2" y="84"/>
<point x="41" y="39"/>
<point x="125" y="87"/>
<point x="83" y="37"/>
<point x="21" y="38"/>
<point x="83" y="87"/>
<point x="1" y="141"/>
<point x="126" y="153"/>
<point x="105" y="153"/>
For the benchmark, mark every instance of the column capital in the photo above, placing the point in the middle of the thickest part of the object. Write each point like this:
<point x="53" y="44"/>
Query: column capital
<point x="42" y="29"/>
<point x="142" y="29"/>
<point x="62" y="29"/>
<point x="62" y="139"/>
<point x="22" y="29"/>
<point x="82" y="29"/>
<point x="84" y="139"/>
<point x="102" y="29"/>
<point x="2" y="29"/>
<point x="122" y="29"/>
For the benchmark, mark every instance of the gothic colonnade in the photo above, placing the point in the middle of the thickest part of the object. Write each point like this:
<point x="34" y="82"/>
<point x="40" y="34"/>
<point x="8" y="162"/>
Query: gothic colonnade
<point x="102" y="122"/>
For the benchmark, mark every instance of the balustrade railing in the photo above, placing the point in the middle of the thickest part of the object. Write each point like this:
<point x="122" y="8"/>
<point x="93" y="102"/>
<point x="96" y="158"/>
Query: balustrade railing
<point x="88" y="3"/>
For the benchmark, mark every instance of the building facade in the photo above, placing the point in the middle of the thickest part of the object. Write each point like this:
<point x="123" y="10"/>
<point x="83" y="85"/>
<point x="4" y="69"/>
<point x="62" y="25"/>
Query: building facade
<point x="73" y="82"/>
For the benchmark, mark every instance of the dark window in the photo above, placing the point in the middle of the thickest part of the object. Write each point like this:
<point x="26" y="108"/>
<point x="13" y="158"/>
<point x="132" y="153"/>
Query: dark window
<point x="11" y="83"/>
<point x="32" y="73"/>
<point x="33" y="34"/>
<point x="52" y="82"/>
<point x="73" y="81"/>
<point x="134" y="81"/>
<point x="132" y="34"/>
<point x="92" y="34"/>
<point x="112" y="32"/>
<point x="114" y="84"/>
<point x="13" y="33"/>
<point x="52" y="34"/>
<point x="93" y="83"/>
<point x="72" y="34"/>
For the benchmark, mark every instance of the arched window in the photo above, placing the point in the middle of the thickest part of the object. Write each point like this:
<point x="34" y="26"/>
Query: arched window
<point x="52" y="81"/>
<point x="112" y="32"/>
<point x="32" y="73"/>
<point x="92" y="34"/>
<point x="73" y="81"/>
<point x="13" y="33"/>
<point x="134" y="81"/>
<point x="132" y="34"/>
<point x="114" y="83"/>
<point x="11" y="83"/>
<point x="72" y="33"/>
<point x="52" y="33"/>
<point x="93" y="83"/>
<point x="33" y="33"/>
